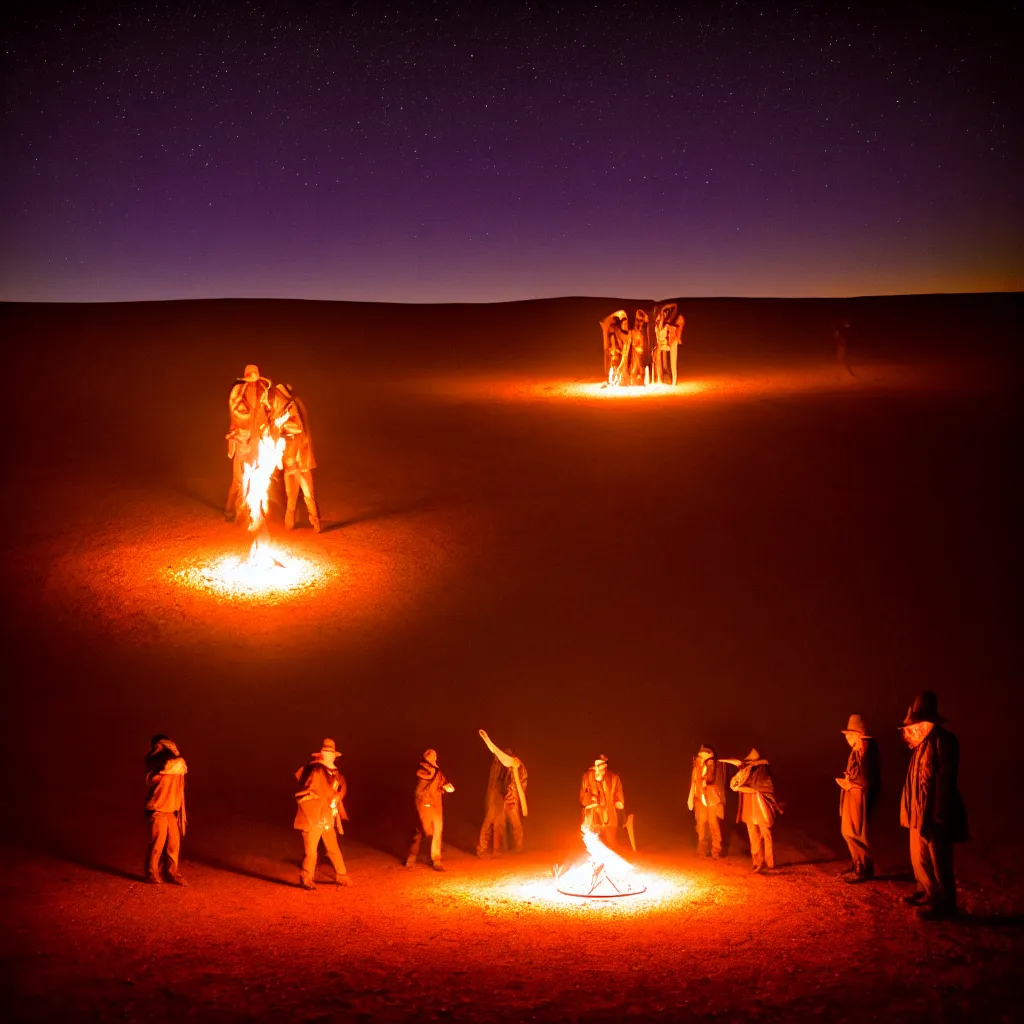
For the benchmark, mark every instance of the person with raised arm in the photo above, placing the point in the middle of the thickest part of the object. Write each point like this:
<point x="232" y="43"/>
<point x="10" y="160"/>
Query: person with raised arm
<point x="505" y="805"/>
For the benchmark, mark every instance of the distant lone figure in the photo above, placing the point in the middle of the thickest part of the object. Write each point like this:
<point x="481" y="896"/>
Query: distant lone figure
<point x="165" y="809"/>
<point x="320" y="813"/>
<point x="932" y="808"/>
<point x="859" y="787"/>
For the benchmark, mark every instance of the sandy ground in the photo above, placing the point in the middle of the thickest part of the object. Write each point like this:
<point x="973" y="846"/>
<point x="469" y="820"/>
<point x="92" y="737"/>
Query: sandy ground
<point x="745" y="561"/>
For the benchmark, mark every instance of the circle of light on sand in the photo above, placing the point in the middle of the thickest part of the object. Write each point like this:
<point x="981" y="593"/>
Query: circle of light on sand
<point x="236" y="578"/>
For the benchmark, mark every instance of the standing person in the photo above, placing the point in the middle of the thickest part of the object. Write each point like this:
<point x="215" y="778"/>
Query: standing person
<point x="707" y="801"/>
<point x="668" y="333"/>
<point x="614" y="335"/>
<point x="636" y="354"/>
<point x="859" y="787"/>
<point x="290" y="417"/>
<point x="249" y="419"/>
<point x="165" y="808"/>
<point x="320" y="813"/>
<point x="932" y="808"/>
<point x="602" y="799"/>
<point x="431" y="785"/>
<point x="505" y="806"/>
<point x="758" y="808"/>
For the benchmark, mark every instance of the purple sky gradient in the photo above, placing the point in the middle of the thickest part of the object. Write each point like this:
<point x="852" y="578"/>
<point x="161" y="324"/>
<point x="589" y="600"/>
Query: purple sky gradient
<point x="442" y="152"/>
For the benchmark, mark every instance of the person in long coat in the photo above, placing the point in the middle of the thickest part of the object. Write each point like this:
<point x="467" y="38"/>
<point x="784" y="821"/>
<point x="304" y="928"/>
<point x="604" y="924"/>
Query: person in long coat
<point x="859" y="787"/>
<point x="320" y="813"/>
<point x="707" y="801"/>
<point x="932" y="808"/>
<point x="431" y="785"/>
<point x="249" y="420"/>
<point x="298" y="462"/>
<point x="758" y="808"/>
<point x="505" y="804"/>
<point x="602" y="800"/>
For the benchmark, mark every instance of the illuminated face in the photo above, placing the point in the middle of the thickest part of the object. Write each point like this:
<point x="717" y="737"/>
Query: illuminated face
<point x="853" y="738"/>
<point x="600" y="767"/>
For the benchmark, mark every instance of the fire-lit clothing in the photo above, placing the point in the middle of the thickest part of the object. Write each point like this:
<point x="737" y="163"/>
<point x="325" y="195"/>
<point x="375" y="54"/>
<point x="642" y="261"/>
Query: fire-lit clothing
<point x="165" y="808"/>
<point x="757" y="810"/>
<point x="430" y="783"/>
<point x="934" y="811"/>
<point x="319" y="815"/>
<point x="298" y="460"/>
<point x="857" y="804"/>
<point x="707" y="801"/>
<point x="635" y="357"/>
<point x="248" y="413"/>
<point x="503" y="810"/>
<point x="599" y="800"/>
<point x="615" y="337"/>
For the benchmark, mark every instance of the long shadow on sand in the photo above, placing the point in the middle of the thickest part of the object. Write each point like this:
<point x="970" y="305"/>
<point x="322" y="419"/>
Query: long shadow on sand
<point x="90" y="864"/>
<point x="219" y="864"/>
<point x="379" y="512"/>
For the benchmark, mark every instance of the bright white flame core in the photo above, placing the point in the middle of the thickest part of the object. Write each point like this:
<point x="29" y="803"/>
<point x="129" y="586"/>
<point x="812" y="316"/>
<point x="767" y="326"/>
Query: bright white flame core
<point x="603" y="874"/>
<point x="273" y="573"/>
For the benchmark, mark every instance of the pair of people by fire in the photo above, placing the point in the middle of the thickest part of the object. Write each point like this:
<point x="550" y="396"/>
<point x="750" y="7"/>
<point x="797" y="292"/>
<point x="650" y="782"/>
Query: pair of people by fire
<point x="639" y="355"/>
<point x="758" y="808"/>
<point x="258" y="410"/>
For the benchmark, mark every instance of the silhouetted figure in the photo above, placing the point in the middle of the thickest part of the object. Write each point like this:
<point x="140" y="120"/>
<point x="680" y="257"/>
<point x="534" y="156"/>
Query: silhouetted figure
<point x="841" y="340"/>
<point x="431" y="785"/>
<point x="614" y="335"/>
<point x="505" y="805"/>
<point x="290" y="418"/>
<point x="758" y="808"/>
<point x="636" y="357"/>
<point x="707" y="801"/>
<point x="932" y="807"/>
<point x="602" y="800"/>
<point x="668" y="334"/>
<point x="320" y="813"/>
<point x="249" y="417"/>
<point x="165" y="809"/>
<point x="859" y="787"/>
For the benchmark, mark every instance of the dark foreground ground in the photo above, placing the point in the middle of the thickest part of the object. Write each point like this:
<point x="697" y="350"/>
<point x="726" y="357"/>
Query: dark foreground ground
<point x="746" y="561"/>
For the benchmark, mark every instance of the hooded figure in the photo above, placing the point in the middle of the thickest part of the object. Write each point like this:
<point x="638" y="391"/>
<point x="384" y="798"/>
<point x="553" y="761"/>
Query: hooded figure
<point x="932" y="808"/>
<point x="758" y="808"/>
<point x="707" y="801"/>
<point x="602" y="800"/>
<point x="859" y="787"/>
<point x="249" y="417"/>
<point x="320" y="813"/>
<point x="290" y="418"/>
<point x="165" y="808"/>
<point x="431" y="784"/>
<point x="505" y="805"/>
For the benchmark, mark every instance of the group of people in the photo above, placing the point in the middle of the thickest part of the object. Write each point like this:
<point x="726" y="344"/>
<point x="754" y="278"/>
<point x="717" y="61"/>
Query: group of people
<point x="632" y="356"/>
<point x="258" y="409"/>
<point x="931" y="806"/>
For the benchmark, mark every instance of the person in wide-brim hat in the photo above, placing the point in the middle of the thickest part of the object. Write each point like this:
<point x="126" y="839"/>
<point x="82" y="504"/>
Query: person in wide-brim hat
<point x="859" y="786"/>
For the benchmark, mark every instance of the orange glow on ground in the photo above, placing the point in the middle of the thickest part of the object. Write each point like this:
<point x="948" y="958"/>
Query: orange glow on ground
<point x="281" y="575"/>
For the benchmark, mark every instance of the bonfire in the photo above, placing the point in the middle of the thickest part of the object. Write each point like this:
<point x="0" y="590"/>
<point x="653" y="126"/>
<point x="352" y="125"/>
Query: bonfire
<point x="604" y="874"/>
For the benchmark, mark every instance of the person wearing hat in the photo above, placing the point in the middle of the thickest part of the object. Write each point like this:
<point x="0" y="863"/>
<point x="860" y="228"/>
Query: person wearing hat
<point x="505" y="805"/>
<point x="320" y="813"/>
<point x="932" y="808"/>
<point x="248" y="413"/>
<point x="602" y="800"/>
<point x="165" y="808"/>
<point x="859" y="787"/>
<point x="758" y="808"/>
<point x="707" y="801"/>
<point x="431" y="785"/>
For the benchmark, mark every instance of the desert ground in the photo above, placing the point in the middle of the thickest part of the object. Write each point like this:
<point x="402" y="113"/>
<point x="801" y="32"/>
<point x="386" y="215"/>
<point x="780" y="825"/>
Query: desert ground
<point x="746" y="560"/>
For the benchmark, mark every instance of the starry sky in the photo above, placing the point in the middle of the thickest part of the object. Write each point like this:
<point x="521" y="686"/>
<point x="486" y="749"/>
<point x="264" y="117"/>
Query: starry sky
<point x="481" y="152"/>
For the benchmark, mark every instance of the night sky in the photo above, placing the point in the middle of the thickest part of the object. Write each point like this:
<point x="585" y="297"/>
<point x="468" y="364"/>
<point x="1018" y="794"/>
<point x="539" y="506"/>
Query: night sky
<point x="478" y="152"/>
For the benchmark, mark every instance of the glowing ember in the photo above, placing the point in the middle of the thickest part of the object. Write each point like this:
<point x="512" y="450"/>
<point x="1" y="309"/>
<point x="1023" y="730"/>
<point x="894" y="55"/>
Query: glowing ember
<point x="603" y="875"/>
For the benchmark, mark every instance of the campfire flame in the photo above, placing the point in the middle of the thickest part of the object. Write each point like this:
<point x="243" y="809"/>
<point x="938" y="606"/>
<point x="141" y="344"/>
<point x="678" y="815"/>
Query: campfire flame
<point x="256" y="495"/>
<point x="602" y="875"/>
